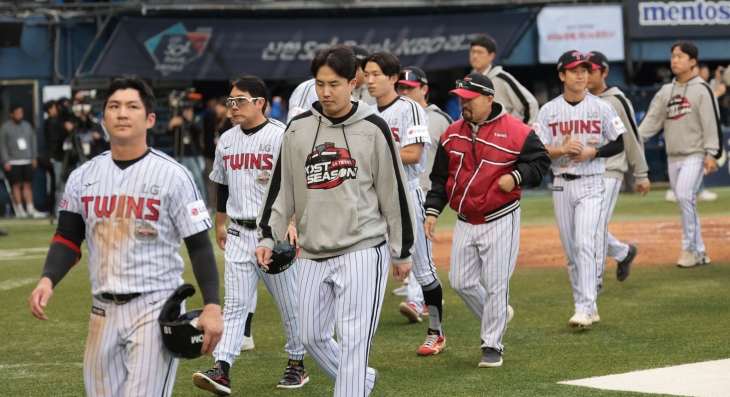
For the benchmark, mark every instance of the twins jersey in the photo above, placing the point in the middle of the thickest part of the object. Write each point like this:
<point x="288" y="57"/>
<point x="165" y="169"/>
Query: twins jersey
<point x="409" y="124"/>
<point x="135" y="218"/>
<point x="244" y="163"/>
<point x="302" y="99"/>
<point x="592" y="121"/>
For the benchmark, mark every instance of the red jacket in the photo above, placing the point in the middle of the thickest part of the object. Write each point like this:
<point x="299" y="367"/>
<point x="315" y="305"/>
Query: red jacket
<point x="466" y="171"/>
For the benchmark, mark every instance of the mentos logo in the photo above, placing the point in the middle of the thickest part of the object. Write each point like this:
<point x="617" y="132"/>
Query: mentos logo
<point x="698" y="12"/>
<point x="175" y="47"/>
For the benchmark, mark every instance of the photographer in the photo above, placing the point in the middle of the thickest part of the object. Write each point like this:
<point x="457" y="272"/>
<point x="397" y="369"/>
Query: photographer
<point x="189" y="150"/>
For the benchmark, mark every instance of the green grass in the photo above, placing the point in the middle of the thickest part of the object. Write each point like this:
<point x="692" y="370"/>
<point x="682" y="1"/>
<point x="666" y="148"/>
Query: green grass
<point x="660" y="316"/>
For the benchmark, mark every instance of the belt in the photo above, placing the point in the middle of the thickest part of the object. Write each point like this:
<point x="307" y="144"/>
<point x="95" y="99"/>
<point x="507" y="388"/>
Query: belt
<point x="570" y="177"/>
<point x="119" y="299"/>
<point x="249" y="224"/>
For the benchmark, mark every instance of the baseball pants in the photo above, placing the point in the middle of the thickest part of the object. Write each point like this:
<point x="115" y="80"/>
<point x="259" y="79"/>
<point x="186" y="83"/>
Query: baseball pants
<point x="345" y="292"/>
<point x="124" y="354"/>
<point x="578" y="206"/>
<point x="612" y="248"/>
<point x="685" y="177"/>
<point x="242" y="275"/>
<point x="487" y="254"/>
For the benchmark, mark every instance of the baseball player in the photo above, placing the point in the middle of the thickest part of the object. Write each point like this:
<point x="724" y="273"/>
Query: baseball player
<point x="413" y="83"/>
<point x="409" y="125"/>
<point x="305" y="94"/>
<point x="616" y="167"/>
<point x="514" y="97"/>
<point x="481" y="162"/>
<point x="575" y="128"/>
<point x="688" y="112"/>
<point x="244" y="160"/>
<point x="132" y="205"/>
<point x="339" y="171"/>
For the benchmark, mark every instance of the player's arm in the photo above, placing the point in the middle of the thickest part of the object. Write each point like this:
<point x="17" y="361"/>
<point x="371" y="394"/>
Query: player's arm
<point x="436" y="199"/>
<point x="712" y="132"/>
<point x="543" y="131"/>
<point x="63" y="254"/>
<point x="633" y="144"/>
<point x="221" y="234"/>
<point x="531" y="166"/>
<point x="414" y="135"/>
<point x="653" y="121"/>
<point x="411" y="154"/>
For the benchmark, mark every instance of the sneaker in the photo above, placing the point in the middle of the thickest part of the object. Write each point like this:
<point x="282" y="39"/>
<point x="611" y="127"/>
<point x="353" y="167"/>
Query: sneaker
<point x="580" y="319"/>
<point x="689" y="259"/>
<point x="706" y="195"/>
<point x="670" y="196"/>
<point x="295" y="376"/>
<point x="247" y="343"/>
<point x="624" y="267"/>
<point x="401" y="291"/>
<point x="595" y="317"/>
<point x="425" y="310"/>
<point x="214" y="381"/>
<point x="433" y="345"/>
<point x="510" y="313"/>
<point x="704" y="259"/>
<point x="490" y="358"/>
<point x="410" y="310"/>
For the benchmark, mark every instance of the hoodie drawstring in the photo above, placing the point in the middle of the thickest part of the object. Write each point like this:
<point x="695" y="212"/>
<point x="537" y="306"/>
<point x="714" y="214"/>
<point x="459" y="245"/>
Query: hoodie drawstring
<point x="319" y="123"/>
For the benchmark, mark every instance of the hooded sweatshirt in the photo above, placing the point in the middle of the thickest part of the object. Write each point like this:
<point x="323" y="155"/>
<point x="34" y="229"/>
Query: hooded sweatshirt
<point x="689" y="114"/>
<point x="633" y="152"/>
<point x="17" y="142"/>
<point x="515" y="98"/>
<point x="345" y="182"/>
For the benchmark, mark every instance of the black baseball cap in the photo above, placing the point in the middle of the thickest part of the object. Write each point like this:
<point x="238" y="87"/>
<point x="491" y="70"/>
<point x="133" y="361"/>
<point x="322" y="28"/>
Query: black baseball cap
<point x="360" y="53"/>
<point x="412" y="76"/>
<point x="573" y="59"/>
<point x="597" y="59"/>
<point x="473" y="85"/>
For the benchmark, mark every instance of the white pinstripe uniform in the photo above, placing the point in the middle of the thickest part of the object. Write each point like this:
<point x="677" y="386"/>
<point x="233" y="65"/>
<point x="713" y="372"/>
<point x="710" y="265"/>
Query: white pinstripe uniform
<point x="244" y="163"/>
<point x="578" y="202"/>
<point x="302" y="99"/>
<point x="135" y="219"/>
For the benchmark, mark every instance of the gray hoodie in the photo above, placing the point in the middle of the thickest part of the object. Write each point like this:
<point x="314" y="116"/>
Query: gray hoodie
<point x="12" y="136"/>
<point x="515" y="98"/>
<point x="690" y="117"/>
<point x="633" y="152"/>
<point x="346" y="184"/>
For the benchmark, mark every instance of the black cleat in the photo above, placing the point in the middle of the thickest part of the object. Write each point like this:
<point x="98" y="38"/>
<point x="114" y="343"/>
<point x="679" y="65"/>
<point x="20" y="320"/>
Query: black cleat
<point x="295" y="376"/>
<point x="214" y="381"/>
<point x="624" y="267"/>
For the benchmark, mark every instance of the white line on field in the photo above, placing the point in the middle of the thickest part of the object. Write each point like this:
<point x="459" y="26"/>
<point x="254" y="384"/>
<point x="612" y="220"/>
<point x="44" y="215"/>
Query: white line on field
<point x="13" y="366"/>
<point x="10" y="284"/>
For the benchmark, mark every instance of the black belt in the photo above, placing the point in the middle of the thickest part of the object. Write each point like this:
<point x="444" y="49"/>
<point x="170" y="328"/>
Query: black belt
<point x="570" y="177"/>
<point x="119" y="299"/>
<point x="249" y="224"/>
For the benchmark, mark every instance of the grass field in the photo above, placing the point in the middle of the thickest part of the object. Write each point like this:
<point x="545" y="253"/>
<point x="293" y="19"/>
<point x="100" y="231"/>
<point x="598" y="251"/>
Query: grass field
<point x="660" y="316"/>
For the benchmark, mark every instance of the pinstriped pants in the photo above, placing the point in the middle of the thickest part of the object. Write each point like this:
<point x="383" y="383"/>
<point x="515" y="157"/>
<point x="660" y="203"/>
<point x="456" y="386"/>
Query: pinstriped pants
<point x="483" y="258"/>
<point x="423" y="272"/>
<point x="685" y="177"/>
<point x="345" y="292"/>
<point x="578" y="206"/>
<point x="610" y="245"/>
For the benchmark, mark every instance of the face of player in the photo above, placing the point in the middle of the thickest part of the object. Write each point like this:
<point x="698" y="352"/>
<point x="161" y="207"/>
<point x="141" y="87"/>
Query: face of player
<point x="378" y="83"/>
<point x="596" y="79"/>
<point x="705" y="73"/>
<point x="575" y="79"/>
<point x="17" y="115"/>
<point x="246" y="113"/>
<point x="360" y="77"/>
<point x="480" y="58"/>
<point x="681" y="63"/>
<point x="333" y="92"/>
<point x="476" y="110"/>
<point x="126" y="118"/>
<point x="418" y="94"/>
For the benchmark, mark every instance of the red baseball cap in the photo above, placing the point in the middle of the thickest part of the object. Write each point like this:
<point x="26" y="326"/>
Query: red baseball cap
<point x="412" y="76"/>
<point x="473" y="85"/>
<point x="573" y="59"/>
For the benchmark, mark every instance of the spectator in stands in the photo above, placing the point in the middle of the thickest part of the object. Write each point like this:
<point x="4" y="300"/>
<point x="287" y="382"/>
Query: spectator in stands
<point x="192" y="152"/>
<point x="18" y="152"/>
<point x="215" y="123"/>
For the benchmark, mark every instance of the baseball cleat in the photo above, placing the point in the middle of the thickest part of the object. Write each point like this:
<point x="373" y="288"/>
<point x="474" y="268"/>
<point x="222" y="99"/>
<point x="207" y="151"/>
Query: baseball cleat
<point x="690" y="259"/>
<point x="670" y="196"/>
<point x="624" y="267"/>
<point x="295" y="376"/>
<point x="595" y="317"/>
<point x="425" y="310"/>
<point x="510" y="313"/>
<point x="433" y="345"/>
<point x="410" y="310"/>
<point x="706" y="195"/>
<point x="580" y="319"/>
<point x="247" y="343"/>
<point x="214" y="380"/>
<point x="490" y="358"/>
<point x="401" y="291"/>
<point x="375" y="380"/>
<point x="704" y="259"/>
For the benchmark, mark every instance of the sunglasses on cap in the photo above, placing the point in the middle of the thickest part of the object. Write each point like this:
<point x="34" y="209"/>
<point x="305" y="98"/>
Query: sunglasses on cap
<point x="471" y="86"/>
<point x="408" y="75"/>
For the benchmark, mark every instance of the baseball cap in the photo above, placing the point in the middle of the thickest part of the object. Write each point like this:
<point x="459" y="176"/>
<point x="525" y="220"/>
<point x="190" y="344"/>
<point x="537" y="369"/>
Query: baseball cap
<point x="360" y="53"/>
<point x="572" y="59"/>
<point x="598" y="60"/>
<point x="473" y="85"/>
<point x="412" y="76"/>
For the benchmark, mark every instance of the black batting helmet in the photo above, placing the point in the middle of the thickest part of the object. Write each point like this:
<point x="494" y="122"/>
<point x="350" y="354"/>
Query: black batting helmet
<point x="180" y="336"/>
<point x="282" y="257"/>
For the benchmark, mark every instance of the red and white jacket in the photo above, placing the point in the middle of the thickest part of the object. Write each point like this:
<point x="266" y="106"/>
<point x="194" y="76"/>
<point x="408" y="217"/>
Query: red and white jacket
<point x="467" y="168"/>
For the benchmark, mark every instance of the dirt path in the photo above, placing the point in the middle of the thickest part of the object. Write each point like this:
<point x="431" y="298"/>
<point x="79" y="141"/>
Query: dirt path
<point x="659" y="242"/>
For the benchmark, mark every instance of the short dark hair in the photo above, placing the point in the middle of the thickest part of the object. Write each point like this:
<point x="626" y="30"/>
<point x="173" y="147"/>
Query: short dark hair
<point x="389" y="63"/>
<point x="702" y="65"/>
<point x="48" y="105"/>
<point x="339" y="58"/>
<point x="15" y="106"/>
<point x="253" y="85"/>
<point x="486" y="41"/>
<point x="223" y="100"/>
<point x="688" y="48"/>
<point x="133" y="83"/>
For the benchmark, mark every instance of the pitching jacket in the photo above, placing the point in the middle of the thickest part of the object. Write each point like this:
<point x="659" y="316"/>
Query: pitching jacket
<point x="471" y="158"/>
<point x="345" y="182"/>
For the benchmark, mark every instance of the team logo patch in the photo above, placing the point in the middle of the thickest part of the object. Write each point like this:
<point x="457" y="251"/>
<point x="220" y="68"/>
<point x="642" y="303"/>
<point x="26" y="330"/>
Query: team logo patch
<point x="175" y="47"/>
<point x="146" y="232"/>
<point x="557" y="189"/>
<point x="677" y="107"/>
<point x="63" y="204"/>
<point x="328" y="166"/>
<point x="263" y="178"/>
<point x="97" y="311"/>
<point x="418" y="131"/>
<point x="233" y="232"/>
<point x="198" y="211"/>
<point x="593" y="141"/>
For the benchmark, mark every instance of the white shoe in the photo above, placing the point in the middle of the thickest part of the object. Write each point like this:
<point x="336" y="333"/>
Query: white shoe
<point x="401" y="291"/>
<point x="36" y="214"/>
<point x="706" y="195"/>
<point x="580" y="319"/>
<point x="21" y="214"/>
<point x="670" y="196"/>
<point x="690" y="258"/>
<point x="510" y="313"/>
<point x="247" y="343"/>
<point x="595" y="317"/>
<point x="704" y="259"/>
